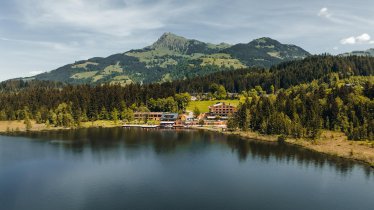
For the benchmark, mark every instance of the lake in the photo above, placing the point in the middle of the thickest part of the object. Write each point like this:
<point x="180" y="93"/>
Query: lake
<point x="117" y="168"/>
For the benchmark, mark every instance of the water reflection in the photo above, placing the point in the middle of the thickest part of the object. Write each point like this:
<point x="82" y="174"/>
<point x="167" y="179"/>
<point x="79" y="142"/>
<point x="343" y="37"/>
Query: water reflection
<point x="173" y="169"/>
<point x="289" y="153"/>
<point x="108" y="143"/>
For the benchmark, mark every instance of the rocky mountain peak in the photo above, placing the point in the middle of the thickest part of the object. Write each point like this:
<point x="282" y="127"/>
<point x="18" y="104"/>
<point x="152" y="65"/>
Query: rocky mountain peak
<point x="171" y="41"/>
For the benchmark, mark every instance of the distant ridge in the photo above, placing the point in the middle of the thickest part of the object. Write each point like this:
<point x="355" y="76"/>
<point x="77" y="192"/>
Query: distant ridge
<point x="265" y="52"/>
<point x="174" y="57"/>
<point x="369" y="52"/>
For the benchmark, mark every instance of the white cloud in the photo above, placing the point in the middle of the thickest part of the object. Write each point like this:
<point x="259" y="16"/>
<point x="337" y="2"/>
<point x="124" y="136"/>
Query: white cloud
<point x="344" y="17"/>
<point x="361" y="39"/>
<point x="349" y="40"/>
<point x="324" y="12"/>
<point x="4" y="39"/>
<point x="50" y="45"/>
<point x="97" y="16"/>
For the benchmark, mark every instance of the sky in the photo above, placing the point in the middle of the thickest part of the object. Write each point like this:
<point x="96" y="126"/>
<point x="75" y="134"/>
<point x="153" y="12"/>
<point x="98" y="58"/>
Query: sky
<point x="41" y="35"/>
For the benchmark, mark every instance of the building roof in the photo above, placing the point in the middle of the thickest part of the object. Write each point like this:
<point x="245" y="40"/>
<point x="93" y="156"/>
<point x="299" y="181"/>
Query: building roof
<point x="218" y="104"/>
<point x="221" y="104"/>
<point x="148" y="112"/>
<point x="169" y="116"/>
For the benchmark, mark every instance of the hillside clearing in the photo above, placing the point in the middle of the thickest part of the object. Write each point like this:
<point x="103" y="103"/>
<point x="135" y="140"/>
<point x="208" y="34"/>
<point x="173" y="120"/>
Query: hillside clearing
<point x="203" y="105"/>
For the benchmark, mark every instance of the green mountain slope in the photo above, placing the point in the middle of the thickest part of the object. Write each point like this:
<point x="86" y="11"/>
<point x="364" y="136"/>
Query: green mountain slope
<point x="265" y="52"/>
<point x="174" y="57"/>
<point x="369" y="52"/>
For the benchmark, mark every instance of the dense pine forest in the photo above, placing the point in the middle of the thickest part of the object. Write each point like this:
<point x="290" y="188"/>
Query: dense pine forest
<point x="303" y="110"/>
<point x="282" y="76"/>
<point x="297" y="98"/>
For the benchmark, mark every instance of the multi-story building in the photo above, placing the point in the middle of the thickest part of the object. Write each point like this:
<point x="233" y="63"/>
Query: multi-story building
<point x="141" y="116"/>
<point x="221" y="109"/>
<point x="169" y="119"/>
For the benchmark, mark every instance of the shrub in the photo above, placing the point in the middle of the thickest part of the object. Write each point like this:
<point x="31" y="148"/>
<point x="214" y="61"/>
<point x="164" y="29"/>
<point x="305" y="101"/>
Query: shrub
<point x="282" y="138"/>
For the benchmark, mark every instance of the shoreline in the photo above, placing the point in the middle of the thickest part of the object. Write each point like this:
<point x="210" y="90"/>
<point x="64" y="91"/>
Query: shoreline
<point x="330" y="143"/>
<point x="10" y="127"/>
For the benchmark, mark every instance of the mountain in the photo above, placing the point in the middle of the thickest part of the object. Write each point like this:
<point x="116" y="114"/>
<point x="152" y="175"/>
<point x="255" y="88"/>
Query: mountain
<point x="265" y="52"/>
<point x="174" y="57"/>
<point x="183" y="46"/>
<point x="369" y="52"/>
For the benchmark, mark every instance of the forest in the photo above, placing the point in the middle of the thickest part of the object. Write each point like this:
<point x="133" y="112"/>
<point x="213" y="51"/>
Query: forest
<point x="297" y="98"/>
<point x="303" y="110"/>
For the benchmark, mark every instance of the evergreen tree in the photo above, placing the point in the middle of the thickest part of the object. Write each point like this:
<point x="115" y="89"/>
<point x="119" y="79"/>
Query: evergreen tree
<point x="3" y="115"/>
<point x="115" y="114"/>
<point x="27" y="123"/>
<point x="232" y="124"/>
<point x="103" y="114"/>
<point x="38" y="117"/>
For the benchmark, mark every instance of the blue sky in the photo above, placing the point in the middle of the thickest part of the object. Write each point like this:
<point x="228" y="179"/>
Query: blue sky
<point x="41" y="35"/>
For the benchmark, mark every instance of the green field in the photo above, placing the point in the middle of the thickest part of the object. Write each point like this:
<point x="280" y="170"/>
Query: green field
<point x="84" y="65"/>
<point x="112" y="69"/>
<point x="84" y="75"/>
<point x="221" y="59"/>
<point x="203" y="105"/>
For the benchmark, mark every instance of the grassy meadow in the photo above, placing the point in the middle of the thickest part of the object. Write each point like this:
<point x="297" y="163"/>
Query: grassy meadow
<point x="203" y="105"/>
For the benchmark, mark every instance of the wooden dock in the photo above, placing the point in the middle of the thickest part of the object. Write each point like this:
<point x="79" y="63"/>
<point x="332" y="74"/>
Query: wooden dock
<point x="141" y="126"/>
<point x="156" y="126"/>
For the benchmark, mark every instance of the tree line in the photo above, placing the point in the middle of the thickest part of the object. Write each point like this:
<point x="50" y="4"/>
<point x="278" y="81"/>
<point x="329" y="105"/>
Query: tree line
<point x="72" y="105"/>
<point x="280" y="90"/>
<point x="303" y="110"/>
<point x="284" y="75"/>
<point x="280" y="76"/>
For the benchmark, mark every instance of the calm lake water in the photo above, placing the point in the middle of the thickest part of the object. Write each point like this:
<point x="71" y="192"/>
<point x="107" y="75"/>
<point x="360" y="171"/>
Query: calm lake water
<point x="166" y="169"/>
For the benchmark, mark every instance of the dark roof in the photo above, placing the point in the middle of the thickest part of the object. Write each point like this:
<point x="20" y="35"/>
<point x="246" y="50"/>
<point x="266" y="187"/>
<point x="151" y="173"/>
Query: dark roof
<point x="169" y="116"/>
